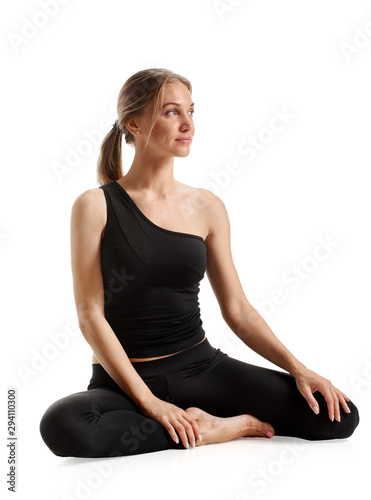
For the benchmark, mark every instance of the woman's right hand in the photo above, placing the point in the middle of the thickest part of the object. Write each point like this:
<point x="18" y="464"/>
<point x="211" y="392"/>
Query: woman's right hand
<point x="174" y="419"/>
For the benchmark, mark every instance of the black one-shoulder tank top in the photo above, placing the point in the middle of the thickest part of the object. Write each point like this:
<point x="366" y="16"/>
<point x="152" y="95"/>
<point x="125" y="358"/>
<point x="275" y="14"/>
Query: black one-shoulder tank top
<point x="151" y="279"/>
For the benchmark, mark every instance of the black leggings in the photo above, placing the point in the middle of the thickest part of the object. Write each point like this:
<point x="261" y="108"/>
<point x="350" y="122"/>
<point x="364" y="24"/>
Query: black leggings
<point x="104" y="422"/>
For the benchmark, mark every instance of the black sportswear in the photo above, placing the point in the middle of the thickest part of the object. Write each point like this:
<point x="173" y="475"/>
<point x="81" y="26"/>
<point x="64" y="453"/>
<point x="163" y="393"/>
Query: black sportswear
<point x="151" y="280"/>
<point x="104" y="422"/>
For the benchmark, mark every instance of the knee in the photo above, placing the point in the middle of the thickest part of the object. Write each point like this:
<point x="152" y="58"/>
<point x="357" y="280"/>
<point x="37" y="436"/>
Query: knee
<point x="51" y="428"/>
<point x="61" y="428"/>
<point x="336" y="430"/>
<point x="349" y="421"/>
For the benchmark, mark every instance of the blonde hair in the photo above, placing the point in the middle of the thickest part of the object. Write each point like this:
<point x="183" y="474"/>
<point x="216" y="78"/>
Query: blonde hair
<point x="137" y="92"/>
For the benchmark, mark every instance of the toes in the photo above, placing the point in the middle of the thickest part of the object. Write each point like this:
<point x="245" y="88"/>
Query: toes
<point x="258" y="428"/>
<point x="269" y="430"/>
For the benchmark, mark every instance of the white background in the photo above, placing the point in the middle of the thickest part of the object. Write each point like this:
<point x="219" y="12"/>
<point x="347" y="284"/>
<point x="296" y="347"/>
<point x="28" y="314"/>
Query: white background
<point x="308" y="183"/>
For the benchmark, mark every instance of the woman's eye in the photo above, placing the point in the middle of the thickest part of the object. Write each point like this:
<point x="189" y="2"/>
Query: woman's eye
<point x="174" y="111"/>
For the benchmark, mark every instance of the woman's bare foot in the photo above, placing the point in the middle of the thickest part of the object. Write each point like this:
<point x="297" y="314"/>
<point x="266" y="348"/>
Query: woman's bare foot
<point x="220" y="430"/>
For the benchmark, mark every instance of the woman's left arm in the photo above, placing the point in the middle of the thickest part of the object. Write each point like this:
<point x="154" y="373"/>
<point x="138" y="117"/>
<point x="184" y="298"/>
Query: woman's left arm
<point x="251" y="328"/>
<point x="245" y="321"/>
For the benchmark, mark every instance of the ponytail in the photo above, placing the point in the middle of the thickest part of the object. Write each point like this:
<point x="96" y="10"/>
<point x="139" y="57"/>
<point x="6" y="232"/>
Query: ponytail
<point x="110" y="161"/>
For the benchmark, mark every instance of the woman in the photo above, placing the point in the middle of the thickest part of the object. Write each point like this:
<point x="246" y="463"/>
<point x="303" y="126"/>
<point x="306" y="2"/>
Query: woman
<point x="140" y="245"/>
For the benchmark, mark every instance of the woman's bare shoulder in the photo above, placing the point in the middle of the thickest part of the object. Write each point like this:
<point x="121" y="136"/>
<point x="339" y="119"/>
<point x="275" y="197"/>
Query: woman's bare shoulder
<point x="89" y="195"/>
<point x="204" y="197"/>
<point x="211" y="204"/>
<point x="90" y="205"/>
<point x="206" y="206"/>
<point x="91" y="198"/>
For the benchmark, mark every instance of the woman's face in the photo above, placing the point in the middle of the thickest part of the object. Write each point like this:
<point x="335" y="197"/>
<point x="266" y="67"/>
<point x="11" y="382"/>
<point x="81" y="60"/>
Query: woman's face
<point x="174" y="122"/>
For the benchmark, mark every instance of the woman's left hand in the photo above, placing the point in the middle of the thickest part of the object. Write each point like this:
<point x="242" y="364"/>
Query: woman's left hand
<point x="309" y="382"/>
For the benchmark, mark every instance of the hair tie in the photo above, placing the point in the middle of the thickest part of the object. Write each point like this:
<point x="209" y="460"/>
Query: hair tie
<point x="116" y="126"/>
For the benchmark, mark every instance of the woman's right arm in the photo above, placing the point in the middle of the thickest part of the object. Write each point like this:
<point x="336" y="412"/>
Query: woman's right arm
<point x="88" y="219"/>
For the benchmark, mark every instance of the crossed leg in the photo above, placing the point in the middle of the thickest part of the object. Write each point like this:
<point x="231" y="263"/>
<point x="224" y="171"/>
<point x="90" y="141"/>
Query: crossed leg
<point x="231" y="399"/>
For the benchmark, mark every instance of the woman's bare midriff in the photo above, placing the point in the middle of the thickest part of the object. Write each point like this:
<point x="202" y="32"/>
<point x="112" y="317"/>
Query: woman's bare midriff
<point x="135" y="360"/>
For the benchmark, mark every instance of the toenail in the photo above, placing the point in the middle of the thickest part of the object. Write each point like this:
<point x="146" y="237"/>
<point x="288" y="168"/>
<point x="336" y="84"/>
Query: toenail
<point x="269" y="434"/>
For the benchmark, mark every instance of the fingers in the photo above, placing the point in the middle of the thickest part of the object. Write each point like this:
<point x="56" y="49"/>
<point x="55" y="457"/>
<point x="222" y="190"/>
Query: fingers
<point x="308" y="384"/>
<point x="184" y="431"/>
<point x="172" y="433"/>
<point x="343" y="399"/>
<point x="333" y="405"/>
<point x="334" y="398"/>
<point x="188" y="430"/>
<point x="311" y="400"/>
<point x="186" y="427"/>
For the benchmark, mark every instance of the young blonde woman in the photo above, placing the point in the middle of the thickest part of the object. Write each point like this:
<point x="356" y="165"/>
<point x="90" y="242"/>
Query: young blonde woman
<point x="141" y="243"/>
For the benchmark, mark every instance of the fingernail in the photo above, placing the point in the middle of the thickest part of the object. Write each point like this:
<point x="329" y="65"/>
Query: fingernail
<point x="187" y="445"/>
<point x="332" y="418"/>
<point x="177" y="440"/>
<point x="199" y="437"/>
<point x="315" y="409"/>
<point x="269" y="434"/>
<point x="338" y="418"/>
<point x="348" y="409"/>
<point x="193" y="444"/>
